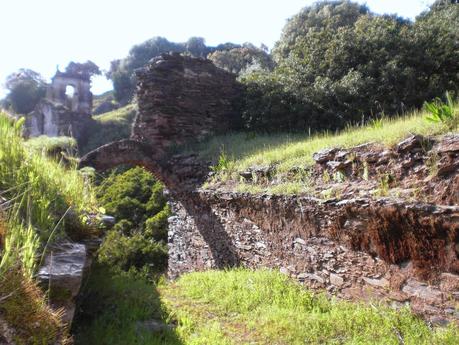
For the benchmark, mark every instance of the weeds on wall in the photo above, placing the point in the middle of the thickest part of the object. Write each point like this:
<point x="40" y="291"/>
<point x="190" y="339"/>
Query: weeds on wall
<point x="442" y="112"/>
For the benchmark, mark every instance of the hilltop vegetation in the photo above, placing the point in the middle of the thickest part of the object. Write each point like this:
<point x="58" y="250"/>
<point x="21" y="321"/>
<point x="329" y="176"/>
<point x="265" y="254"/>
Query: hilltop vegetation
<point x="339" y="76"/>
<point x="336" y="63"/>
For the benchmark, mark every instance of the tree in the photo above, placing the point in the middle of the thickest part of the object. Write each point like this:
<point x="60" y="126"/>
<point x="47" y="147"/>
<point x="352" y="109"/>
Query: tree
<point x="26" y="89"/>
<point x="196" y="47"/>
<point x="122" y="71"/>
<point x="239" y="59"/>
<point x="337" y="63"/>
<point x="323" y="15"/>
<point x="88" y="68"/>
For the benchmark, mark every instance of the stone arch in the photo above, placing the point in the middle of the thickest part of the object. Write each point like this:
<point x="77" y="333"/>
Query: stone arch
<point x="126" y="152"/>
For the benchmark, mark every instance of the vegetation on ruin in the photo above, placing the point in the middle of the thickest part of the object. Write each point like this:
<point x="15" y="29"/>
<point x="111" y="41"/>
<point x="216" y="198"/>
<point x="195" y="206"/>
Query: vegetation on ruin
<point x="339" y="76"/>
<point x="287" y="151"/>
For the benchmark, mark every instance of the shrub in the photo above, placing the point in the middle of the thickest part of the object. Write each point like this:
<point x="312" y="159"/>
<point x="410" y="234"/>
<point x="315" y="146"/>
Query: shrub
<point x="137" y="241"/>
<point x="126" y="252"/>
<point x="442" y="112"/>
<point x="156" y="226"/>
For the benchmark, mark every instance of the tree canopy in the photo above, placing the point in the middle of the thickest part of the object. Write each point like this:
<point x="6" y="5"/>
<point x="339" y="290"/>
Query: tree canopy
<point x="337" y="62"/>
<point x="241" y="58"/>
<point x="26" y="88"/>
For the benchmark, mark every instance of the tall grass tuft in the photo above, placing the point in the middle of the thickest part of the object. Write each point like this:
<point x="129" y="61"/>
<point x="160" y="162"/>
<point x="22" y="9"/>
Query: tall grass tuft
<point x="40" y="192"/>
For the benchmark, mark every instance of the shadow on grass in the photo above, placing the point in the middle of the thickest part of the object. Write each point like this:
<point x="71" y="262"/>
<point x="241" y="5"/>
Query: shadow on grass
<point x="113" y="310"/>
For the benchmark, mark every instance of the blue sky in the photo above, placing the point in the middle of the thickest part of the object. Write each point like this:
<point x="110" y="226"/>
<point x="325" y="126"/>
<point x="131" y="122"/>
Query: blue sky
<point x="41" y="34"/>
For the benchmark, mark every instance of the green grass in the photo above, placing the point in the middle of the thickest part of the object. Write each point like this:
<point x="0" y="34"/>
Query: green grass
<point x="104" y="97"/>
<point x="287" y="151"/>
<point x="112" y="126"/>
<point x="239" y="306"/>
<point x="111" y="306"/>
<point x="41" y="192"/>
<point x="266" y="307"/>
<point x="53" y="146"/>
<point x="46" y="201"/>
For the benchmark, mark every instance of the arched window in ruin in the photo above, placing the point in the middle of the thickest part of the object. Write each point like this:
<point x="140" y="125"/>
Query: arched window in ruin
<point x="70" y="91"/>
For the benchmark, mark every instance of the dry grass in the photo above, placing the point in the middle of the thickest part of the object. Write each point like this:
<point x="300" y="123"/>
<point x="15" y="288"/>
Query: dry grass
<point x="23" y="307"/>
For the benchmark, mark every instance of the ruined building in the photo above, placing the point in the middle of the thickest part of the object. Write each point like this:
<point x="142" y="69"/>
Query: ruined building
<point x="358" y="247"/>
<point x="66" y="109"/>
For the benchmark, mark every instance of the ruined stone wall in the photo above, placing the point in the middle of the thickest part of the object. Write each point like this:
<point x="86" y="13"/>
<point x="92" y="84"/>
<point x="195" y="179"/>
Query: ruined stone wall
<point x="183" y="99"/>
<point x="61" y="115"/>
<point x="54" y="120"/>
<point x="80" y="102"/>
<point x="357" y="249"/>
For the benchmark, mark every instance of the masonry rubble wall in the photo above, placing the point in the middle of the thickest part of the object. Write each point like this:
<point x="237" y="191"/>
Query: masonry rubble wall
<point x="355" y="249"/>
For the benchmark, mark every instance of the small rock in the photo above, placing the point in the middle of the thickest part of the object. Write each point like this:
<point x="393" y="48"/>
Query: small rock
<point x="446" y="167"/>
<point x="409" y="143"/>
<point x="316" y="277"/>
<point x="153" y="326"/>
<point x="341" y="154"/>
<point x="324" y="155"/>
<point x="284" y="270"/>
<point x="449" y="282"/>
<point x="336" y="279"/>
<point x="335" y="165"/>
<point x="377" y="282"/>
<point x="247" y="175"/>
<point x="449" y="143"/>
<point x="302" y="277"/>
<point x="108" y="221"/>
<point x="300" y="241"/>
<point x="414" y="288"/>
<point x="439" y="321"/>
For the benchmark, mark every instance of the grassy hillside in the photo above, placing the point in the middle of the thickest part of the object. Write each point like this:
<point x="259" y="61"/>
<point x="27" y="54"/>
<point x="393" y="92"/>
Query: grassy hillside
<point x="244" y="307"/>
<point x="107" y="96"/>
<point x="40" y="201"/>
<point x="235" y="153"/>
<point x="112" y="126"/>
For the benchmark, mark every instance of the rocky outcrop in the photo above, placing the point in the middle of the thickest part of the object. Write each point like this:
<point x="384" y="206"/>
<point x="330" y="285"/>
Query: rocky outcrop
<point x="63" y="271"/>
